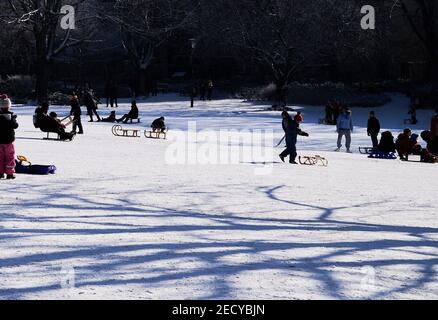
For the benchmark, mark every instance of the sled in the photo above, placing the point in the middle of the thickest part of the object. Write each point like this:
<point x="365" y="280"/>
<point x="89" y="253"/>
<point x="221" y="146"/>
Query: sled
<point x="153" y="134"/>
<point x="366" y="150"/>
<point x="312" y="161"/>
<point x="70" y="120"/>
<point x="118" y="131"/>
<point x="382" y="155"/>
<point x="138" y="120"/>
<point x="24" y="166"/>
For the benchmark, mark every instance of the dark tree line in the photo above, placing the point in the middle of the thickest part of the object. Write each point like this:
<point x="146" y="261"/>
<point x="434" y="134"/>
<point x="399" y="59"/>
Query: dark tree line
<point x="278" y="37"/>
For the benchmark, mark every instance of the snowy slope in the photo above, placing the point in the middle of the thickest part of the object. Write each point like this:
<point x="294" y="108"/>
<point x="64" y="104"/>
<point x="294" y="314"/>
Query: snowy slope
<point x="120" y="221"/>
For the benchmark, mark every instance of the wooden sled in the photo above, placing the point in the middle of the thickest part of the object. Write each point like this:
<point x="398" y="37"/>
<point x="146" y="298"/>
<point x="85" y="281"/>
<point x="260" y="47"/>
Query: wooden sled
<point x="118" y="131"/>
<point x="52" y="139"/>
<point x="366" y="150"/>
<point x="313" y="161"/>
<point x="68" y="121"/>
<point x="152" y="134"/>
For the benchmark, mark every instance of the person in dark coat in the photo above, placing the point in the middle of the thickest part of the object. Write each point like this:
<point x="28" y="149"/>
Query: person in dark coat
<point x="132" y="115"/>
<point x="202" y="90"/>
<point x="8" y="124"/>
<point x="432" y="142"/>
<point x="329" y="113"/>
<point x="405" y="145"/>
<point x="111" y="118"/>
<point x="111" y="93"/>
<point x="51" y="124"/>
<point x="158" y="125"/>
<point x="40" y="113"/>
<point x="210" y="87"/>
<point x="386" y="144"/>
<point x="292" y="130"/>
<point x="373" y="129"/>
<point x="413" y="113"/>
<point x="91" y="105"/>
<point x="76" y="113"/>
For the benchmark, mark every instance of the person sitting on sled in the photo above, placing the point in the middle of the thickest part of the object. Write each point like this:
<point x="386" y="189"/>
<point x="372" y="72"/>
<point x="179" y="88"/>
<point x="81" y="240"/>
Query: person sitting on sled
<point x="292" y="129"/>
<point x="49" y="123"/>
<point x="132" y="115"/>
<point x="111" y="118"/>
<point x="40" y="113"/>
<point x="386" y="144"/>
<point x="8" y="124"/>
<point x="158" y="125"/>
<point x="429" y="154"/>
<point x="54" y="115"/>
<point x="405" y="145"/>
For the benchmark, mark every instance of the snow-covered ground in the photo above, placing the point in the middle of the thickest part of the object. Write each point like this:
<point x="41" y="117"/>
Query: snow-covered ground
<point x="120" y="220"/>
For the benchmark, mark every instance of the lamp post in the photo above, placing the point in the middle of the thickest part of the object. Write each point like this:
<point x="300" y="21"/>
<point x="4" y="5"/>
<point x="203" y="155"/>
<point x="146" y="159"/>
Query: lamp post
<point x="192" y="93"/>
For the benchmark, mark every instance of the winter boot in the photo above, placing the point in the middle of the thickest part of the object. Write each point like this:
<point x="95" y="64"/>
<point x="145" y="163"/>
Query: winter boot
<point x="10" y="177"/>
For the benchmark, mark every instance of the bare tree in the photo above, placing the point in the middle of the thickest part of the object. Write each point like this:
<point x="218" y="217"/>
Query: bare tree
<point x="41" y="19"/>
<point x="422" y="17"/>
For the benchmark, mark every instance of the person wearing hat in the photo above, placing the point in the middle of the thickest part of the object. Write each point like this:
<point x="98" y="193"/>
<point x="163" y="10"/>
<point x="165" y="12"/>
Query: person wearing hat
<point x="292" y="130"/>
<point x="344" y="128"/>
<point x="299" y="117"/>
<point x="8" y="124"/>
<point x="158" y="125"/>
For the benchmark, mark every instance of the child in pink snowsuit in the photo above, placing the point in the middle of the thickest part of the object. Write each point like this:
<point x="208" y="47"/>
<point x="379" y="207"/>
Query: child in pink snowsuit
<point x="8" y="124"/>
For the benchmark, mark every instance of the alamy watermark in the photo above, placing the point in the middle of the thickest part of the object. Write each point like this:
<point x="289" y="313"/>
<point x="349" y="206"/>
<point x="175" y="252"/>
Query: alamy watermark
<point x="68" y="21"/>
<point x="223" y="147"/>
<point x="368" y="21"/>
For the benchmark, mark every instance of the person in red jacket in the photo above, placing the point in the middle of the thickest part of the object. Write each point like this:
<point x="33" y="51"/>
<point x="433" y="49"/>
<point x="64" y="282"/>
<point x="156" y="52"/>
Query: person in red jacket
<point x="434" y="124"/>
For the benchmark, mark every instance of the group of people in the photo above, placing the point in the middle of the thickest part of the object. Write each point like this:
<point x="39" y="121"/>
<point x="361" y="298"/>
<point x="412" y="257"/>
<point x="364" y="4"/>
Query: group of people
<point x="49" y="122"/>
<point x="407" y="141"/>
<point x="332" y="111"/>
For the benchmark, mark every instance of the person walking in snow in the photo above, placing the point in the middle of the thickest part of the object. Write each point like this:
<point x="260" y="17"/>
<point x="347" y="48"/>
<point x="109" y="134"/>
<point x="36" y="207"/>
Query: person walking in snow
<point x="76" y="113"/>
<point x="292" y="129"/>
<point x="344" y="127"/>
<point x="373" y="129"/>
<point x="8" y="124"/>
<point x="91" y="104"/>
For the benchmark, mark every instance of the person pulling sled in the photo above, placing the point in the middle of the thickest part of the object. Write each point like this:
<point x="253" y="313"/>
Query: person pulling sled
<point x="292" y="129"/>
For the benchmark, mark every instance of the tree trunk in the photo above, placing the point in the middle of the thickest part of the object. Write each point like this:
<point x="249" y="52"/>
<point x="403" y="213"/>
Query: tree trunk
<point x="281" y="91"/>
<point x="42" y="80"/>
<point x="42" y="69"/>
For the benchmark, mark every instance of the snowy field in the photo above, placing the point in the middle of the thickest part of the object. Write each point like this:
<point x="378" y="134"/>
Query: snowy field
<point x="121" y="220"/>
